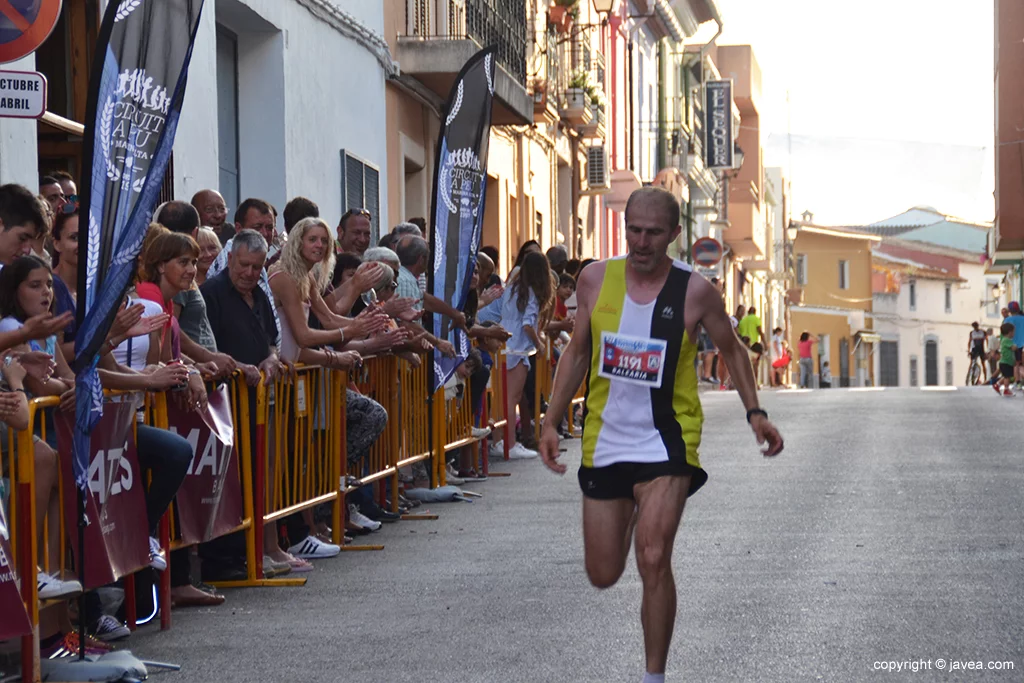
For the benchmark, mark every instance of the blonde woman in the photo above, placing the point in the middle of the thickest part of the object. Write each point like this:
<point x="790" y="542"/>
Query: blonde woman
<point x="209" y="248"/>
<point x="298" y="280"/>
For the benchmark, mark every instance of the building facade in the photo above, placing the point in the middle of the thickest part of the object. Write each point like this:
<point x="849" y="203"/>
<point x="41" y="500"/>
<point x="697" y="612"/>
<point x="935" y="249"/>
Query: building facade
<point x="340" y="101"/>
<point x="832" y="300"/>
<point x="925" y="299"/>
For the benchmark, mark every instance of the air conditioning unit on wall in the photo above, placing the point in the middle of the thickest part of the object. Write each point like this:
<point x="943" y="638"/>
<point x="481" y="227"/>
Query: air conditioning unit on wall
<point x="598" y="178"/>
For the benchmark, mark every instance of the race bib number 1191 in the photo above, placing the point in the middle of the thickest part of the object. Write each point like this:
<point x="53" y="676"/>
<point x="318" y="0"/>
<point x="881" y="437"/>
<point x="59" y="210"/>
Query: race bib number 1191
<point x="632" y="359"/>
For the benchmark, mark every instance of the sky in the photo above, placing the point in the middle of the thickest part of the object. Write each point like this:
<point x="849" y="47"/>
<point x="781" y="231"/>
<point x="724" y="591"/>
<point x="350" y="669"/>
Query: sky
<point x="890" y="102"/>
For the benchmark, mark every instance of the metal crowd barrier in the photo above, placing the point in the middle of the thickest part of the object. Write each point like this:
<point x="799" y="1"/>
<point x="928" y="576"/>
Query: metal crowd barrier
<point x="290" y="442"/>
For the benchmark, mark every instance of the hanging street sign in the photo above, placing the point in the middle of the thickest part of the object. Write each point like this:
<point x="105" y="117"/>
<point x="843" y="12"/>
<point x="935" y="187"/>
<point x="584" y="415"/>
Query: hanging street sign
<point x="25" y="25"/>
<point x="22" y="94"/>
<point x="707" y="252"/>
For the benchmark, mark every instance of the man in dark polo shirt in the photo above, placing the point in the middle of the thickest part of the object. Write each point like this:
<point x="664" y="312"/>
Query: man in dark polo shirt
<point x="242" y="320"/>
<point x="239" y="311"/>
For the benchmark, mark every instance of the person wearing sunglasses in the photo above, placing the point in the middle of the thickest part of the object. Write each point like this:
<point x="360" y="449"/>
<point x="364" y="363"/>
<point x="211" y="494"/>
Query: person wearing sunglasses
<point x="67" y="182"/>
<point x="52" y="192"/>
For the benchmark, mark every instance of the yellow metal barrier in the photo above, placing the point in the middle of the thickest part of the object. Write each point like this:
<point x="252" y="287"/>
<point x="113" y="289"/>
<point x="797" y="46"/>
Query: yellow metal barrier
<point x="27" y="529"/>
<point x="291" y="454"/>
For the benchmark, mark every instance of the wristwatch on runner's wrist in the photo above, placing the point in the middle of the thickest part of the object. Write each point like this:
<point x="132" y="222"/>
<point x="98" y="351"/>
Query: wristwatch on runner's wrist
<point x="756" y="411"/>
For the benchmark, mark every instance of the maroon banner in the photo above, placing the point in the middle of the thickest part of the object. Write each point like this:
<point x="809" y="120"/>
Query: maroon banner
<point x="13" y="618"/>
<point x="209" y="503"/>
<point x="116" y="537"/>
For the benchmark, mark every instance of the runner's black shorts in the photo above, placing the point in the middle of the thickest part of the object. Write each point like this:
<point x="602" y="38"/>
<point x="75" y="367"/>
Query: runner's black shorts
<point x="1016" y="354"/>
<point x="1007" y="370"/>
<point x="977" y="352"/>
<point x="757" y="348"/>
<point x="616" y="481"/>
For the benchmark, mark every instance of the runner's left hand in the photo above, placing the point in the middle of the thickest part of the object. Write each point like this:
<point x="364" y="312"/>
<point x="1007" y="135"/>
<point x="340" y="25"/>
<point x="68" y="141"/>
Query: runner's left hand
<point x="766" y="432"/>
<point x="548" y="447"/>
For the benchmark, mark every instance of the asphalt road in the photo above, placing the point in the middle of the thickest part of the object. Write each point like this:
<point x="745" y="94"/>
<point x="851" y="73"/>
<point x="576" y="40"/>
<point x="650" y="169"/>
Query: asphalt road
<point x="889" y="531"/>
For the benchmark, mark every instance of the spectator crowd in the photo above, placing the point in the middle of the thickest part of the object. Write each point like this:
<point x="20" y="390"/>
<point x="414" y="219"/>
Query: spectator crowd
<point x="221" y="291"/>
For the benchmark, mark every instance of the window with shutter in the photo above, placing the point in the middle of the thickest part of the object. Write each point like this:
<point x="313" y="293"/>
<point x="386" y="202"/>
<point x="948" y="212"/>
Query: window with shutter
<point x="360" y="189"/>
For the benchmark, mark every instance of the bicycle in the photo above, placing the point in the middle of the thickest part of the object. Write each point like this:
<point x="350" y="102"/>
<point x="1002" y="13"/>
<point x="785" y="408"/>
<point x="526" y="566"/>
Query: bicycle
<point x="974" y="372"/>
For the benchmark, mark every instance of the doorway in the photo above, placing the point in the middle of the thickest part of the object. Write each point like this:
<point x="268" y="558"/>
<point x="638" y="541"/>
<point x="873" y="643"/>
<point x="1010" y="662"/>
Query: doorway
<point x="931" y="363"/>
<point x="889" y="364"/>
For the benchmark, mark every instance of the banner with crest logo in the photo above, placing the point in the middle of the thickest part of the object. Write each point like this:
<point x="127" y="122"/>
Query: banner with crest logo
<point x="13" y="617"/>
<point x="460" y="182"/>
<point x="136" y="90"/>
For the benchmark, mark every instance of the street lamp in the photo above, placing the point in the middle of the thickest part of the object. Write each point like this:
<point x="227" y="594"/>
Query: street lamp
<point x="737" y="157"/>
<point x="604" y="6"/>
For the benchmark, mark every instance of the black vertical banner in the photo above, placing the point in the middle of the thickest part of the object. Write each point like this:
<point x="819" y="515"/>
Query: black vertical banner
<point x="136" y="90"/>
<point x="460" y="182"/>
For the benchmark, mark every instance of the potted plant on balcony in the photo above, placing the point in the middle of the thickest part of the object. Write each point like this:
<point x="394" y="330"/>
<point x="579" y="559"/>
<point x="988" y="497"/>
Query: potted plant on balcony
<point x="576" y="93"/>
<point x="561" y="14"/>
<point x="597" y="103"/>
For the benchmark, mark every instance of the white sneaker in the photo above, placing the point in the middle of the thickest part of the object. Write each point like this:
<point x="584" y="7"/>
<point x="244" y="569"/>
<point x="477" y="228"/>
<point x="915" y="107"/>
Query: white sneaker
<point x="497" y="449"/>
<point x="108" y="629"/>
<point x="452" y="477"/>
<point x="50" y="587"/>
<point x="156" y="555"/>
<point x="521" y="452"/>
<point x="357" y="517"/>
<point x="312" y="548"/>
<point x="481" y="432"/>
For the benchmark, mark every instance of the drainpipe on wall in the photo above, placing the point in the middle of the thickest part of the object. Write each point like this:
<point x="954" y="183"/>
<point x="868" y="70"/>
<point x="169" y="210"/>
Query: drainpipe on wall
<point x="662" y="122"/>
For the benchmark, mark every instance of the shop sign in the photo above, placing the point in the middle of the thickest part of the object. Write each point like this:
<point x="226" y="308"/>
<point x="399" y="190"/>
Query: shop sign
<point x="718" y="107"/>
<point x="22" y="94"/>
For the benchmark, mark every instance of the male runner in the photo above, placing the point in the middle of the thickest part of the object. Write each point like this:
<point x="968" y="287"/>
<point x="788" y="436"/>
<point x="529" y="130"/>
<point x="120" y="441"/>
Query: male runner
<point x="636" y="326"/>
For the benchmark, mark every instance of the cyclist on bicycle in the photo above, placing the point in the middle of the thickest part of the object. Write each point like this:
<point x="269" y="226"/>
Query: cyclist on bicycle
<point x="976" y="348"/>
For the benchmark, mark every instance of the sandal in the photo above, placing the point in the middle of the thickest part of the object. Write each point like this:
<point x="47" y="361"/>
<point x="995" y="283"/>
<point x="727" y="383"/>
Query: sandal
<point x="299" y="565"/>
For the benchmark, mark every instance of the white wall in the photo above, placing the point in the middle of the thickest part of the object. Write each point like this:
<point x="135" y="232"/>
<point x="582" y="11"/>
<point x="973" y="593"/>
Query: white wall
<point x="930" y="320"/>
<point x="305" y="93"/>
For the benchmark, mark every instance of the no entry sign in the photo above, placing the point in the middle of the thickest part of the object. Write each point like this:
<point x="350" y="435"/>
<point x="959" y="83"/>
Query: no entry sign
<point x="22" y="94"/>
<point x="25" y="25"/>
<point x="707" y="252"/>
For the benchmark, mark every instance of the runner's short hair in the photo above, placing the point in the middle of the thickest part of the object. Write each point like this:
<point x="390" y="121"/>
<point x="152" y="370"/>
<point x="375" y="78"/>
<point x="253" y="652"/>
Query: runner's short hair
<point x="660" y="196"/>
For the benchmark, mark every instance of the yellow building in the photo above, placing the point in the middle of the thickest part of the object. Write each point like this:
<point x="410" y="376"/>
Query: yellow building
<point x="832" y="300"/>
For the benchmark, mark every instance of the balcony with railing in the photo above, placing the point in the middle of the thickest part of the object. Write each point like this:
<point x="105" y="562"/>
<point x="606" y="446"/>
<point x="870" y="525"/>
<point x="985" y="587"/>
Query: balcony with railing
<point x="442" y="35"/>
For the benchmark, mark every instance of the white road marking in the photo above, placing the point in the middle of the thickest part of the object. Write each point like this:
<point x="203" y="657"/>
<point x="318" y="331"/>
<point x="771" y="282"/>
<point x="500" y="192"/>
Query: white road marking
<point x="938" y="388"/>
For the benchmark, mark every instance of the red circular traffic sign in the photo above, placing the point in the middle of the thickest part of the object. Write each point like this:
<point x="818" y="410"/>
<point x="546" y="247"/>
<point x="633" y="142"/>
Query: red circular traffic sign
<point x="25" y="25"/>
<point x="707" y="252"/>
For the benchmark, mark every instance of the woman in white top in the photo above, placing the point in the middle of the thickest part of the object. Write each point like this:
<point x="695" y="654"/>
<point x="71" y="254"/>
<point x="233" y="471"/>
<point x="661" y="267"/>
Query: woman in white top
<point x="298" y="280"/>
<point x="526" y="307"/>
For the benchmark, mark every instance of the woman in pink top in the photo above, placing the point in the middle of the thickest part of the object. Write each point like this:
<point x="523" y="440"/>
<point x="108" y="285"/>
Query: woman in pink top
<point x="806" y="359"/>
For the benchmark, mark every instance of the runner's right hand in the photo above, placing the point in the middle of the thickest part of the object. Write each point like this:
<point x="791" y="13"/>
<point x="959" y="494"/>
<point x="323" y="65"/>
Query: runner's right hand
<point x="548" y="447"/>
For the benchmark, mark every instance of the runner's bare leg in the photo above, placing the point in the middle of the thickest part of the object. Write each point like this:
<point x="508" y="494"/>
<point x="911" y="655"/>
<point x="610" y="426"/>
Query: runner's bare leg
<point x="607" y="532"/>
<point x="660" y="508"/>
